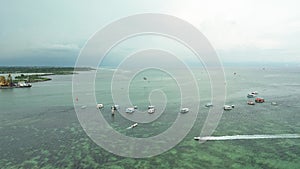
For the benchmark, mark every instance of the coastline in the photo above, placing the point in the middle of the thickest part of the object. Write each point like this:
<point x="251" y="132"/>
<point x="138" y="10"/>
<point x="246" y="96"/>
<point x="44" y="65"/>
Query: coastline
<point x="29" y="75"/>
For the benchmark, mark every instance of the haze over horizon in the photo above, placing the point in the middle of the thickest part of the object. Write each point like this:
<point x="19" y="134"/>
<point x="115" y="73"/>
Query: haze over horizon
<point x="51" y="33"/>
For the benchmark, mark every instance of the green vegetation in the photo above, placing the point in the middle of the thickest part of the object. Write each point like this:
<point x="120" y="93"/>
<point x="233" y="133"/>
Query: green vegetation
<point x="40" y="72"/>
<point x="32" y="78"/>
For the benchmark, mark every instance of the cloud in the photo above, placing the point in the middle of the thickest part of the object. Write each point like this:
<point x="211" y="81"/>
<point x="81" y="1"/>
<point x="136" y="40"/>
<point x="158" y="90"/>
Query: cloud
<point x="60" y="47"/>
<point x="253" y="24"/>
<point x="244" y="30"/>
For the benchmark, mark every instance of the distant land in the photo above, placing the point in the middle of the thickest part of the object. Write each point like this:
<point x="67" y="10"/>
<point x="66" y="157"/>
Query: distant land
<point x="41" y="69"/>
<point x="39" y="73"/>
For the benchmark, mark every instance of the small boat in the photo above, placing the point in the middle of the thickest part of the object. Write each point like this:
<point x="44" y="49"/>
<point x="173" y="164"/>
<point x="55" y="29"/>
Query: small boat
<point x="250" y="102"/>
<point x="129" y="110"/>
<point x="132" y="126"/>
<point x="227" y="107"/>
<point x="255" y="93"/>
<point x="184" y="110"/>
<point x="135" y="107"/>
<point x="251" y="95"/>
<point x="115" y="107"/>
<point x="23" y="84"/>
<point x="151" y="111"/>
<point x="274" y="103"/>
<point x="259" y="100"/>
<point x="197" y="138"/>
<point x="83" y="107"/>
<point x="151" y="107"/>
<point x="208" y="105"/>
<point x="100" y="106"/>
<point x="205" y="138"/>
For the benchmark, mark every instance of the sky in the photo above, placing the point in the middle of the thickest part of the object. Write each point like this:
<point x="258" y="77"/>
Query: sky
<point x="51" y="33"/>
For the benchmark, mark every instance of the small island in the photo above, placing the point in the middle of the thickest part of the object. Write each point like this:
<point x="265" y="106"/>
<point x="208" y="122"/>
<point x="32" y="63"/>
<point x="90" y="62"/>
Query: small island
<point x="32" y="78"/>
<point x="33" y="74"/>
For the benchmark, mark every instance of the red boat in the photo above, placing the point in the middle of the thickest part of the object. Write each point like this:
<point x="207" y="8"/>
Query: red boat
<point x="259" y="100"/>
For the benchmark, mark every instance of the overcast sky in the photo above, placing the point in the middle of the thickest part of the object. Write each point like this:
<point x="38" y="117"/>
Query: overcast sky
<point x="53" y="32"/>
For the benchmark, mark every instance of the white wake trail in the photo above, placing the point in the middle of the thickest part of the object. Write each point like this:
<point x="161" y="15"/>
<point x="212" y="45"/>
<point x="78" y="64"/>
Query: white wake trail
<point x="248" y="137"/>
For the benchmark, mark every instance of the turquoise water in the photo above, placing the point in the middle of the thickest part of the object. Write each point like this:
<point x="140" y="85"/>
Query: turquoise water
<point x="39" y="128"/>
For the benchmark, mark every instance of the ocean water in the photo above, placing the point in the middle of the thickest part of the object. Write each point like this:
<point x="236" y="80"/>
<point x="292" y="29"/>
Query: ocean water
<point x="39" y="127"/>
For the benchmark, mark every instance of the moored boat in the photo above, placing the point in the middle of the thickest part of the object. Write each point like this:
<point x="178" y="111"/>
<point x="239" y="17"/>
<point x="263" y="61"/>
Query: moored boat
<point x="129" y="110"/>
<point x="151" y="111"/>
<point x="100" y="106"/>
<point x="259" y="100"/>
<point x="23" y="84"/>
<point x="251" y="95"/>
<point x="227" y="107"/>
<point x="184" y="110"/>
<point x="255" y="92"/>
<point x="208" y="105"/>
<point x="274" y="103"/>
<point x="250" y="102"/>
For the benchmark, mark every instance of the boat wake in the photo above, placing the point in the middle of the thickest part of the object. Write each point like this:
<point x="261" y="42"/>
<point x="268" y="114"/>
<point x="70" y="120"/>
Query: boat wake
<point x="248" y="137"/>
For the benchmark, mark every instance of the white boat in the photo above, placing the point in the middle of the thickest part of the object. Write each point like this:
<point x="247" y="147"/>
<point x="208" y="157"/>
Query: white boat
<point x="100" y="106"/>
<point x="132" y="126"/>
<point x="150" y="111"/>
<point x="23" y="84"/>
<point x="208" y="105"/>
<point x="255" y="92"/>
<point x="198" y="138"/>
<point x="184" y="110"/>
<point x="201" y="138"/>
<point x="115" y="107"/>
<point x="274" y="103"/>
<point x="129" y="110"/>
<point x="227" y="107"/>
<point x="250" y="102"/>
<point x="151" y="107"/>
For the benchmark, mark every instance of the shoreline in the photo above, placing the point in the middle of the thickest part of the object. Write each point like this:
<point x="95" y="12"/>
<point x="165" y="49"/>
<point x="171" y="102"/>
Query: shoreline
<point x="35" y="74"/>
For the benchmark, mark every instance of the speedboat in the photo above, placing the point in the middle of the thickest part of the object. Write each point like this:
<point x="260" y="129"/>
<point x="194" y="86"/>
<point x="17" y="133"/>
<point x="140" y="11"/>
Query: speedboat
<point x="201" y="138"/>
<point x="197" y="138"/>
<point x="132" y="126"/>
